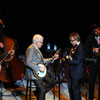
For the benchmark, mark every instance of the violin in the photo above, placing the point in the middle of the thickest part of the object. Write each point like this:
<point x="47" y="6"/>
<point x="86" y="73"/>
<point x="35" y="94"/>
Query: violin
<point x="72" y="51"/>
<point x="69" y="56"/>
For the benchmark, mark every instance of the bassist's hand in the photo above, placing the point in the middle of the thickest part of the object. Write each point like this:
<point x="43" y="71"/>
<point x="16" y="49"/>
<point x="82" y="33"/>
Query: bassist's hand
<point x="1" y="45"/>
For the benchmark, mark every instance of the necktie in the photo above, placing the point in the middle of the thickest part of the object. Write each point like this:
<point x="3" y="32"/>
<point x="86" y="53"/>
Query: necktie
<point x="98" y="40"/>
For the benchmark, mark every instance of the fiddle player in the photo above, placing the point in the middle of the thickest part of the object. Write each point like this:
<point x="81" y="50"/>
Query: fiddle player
<point x="93" y="51"/>
<point x="77" y="68"/>
<point x="33" y="58"/>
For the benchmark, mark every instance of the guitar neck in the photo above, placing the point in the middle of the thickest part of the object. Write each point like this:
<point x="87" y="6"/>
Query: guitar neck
<point x="57" y="52"/>
<point x="5" y="57"/>
<point x="46" y="64"/>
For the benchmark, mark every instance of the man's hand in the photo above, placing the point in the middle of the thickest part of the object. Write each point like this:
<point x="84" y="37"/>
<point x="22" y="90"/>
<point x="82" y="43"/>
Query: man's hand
<point x="12" y="52"/>
<point x="95" y="50"/>
<point x="1" y="45"/>
<point x="42" y="69"/>
<point x="56" y="56"/>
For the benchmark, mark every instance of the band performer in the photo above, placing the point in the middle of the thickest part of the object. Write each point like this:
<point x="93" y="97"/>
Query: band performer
<point x="76" y="62"/>
<point x="93" y="51"/>
<point x="33" y="58"/>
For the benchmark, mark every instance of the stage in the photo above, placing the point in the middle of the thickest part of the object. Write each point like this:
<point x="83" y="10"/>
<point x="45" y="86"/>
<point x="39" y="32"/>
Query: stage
<point x="17" y="91"/>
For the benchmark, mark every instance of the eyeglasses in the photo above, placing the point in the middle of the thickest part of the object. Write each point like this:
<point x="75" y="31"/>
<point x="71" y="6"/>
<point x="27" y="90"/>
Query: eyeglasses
<point x="72" y="40"/>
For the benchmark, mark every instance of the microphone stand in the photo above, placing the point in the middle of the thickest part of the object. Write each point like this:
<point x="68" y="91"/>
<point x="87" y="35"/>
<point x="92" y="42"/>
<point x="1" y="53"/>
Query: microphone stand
<point x="51" y="53"/>
<point x="59" y="82"/>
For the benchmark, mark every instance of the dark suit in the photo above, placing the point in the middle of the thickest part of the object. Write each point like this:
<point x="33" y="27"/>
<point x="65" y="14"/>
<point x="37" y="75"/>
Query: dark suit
<point x="91" y="43"/>
<point x="76" y="72"/>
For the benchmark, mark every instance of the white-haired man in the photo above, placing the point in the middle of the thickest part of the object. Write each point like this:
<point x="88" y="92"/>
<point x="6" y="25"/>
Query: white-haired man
<point x="34" y="57"/>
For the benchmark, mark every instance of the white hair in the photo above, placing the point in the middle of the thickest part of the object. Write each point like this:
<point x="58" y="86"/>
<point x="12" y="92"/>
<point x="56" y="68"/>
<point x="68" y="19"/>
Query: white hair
<point x="37" y="38"/>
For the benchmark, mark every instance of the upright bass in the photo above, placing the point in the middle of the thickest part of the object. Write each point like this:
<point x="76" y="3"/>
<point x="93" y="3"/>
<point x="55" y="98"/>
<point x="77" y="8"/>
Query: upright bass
<point x="12" y="66"/>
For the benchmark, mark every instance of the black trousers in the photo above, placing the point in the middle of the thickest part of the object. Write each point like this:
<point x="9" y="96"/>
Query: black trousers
<point x="43" y="86"/>
<point x="74" y="88"/>
<point x="93" y="69"/>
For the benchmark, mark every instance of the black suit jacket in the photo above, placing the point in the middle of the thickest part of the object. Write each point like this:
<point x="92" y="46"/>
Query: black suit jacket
<point x="77" y="66"/>
<point x="89" y="45"/>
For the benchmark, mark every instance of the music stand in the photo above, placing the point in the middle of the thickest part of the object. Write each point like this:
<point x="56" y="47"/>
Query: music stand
<point x="87" y="61"/>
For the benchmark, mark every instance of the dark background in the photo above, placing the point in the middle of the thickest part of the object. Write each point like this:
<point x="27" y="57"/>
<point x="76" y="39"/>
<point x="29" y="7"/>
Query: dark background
<point x="54" y="23"/>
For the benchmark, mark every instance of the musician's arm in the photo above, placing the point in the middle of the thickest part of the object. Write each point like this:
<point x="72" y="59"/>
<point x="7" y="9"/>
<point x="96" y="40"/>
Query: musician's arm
<point x="46" y="60"/>
<point x="55" y="57"/>
<point x="80" y="57"/>
<point x="76" y="61"/>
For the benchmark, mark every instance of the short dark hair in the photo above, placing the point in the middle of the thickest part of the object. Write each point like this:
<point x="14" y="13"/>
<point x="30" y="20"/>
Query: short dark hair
<point x="94" y="26"/>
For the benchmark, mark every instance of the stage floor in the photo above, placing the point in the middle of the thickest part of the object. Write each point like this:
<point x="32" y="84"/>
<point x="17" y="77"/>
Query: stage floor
<point x="17" y="91"/>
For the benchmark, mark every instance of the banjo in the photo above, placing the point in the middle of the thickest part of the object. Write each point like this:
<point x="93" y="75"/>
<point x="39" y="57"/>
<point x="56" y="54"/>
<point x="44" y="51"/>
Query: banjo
<point x="39" y="74"/>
